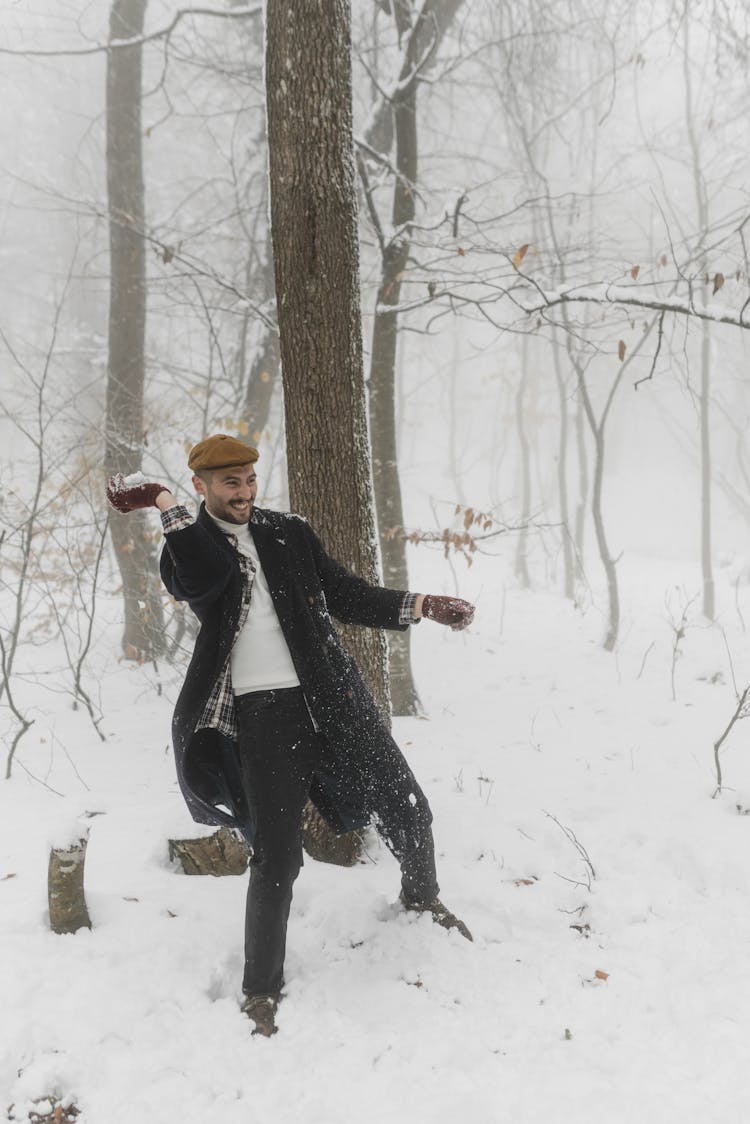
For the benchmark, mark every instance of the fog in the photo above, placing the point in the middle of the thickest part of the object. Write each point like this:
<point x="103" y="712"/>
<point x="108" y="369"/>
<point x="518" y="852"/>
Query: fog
<point x="593" y="150"/>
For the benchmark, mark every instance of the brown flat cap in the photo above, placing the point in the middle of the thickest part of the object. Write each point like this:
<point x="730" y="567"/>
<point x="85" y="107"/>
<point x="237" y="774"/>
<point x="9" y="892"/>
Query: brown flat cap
<point x="221" y="451"/>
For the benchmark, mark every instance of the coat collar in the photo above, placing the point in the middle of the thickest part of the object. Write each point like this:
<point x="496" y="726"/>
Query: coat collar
<point x="270" y="543"/>
<point x="268" y="537"/>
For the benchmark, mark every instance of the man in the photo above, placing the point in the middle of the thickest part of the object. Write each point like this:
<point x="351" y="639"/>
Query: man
<point x="273" y="709"/>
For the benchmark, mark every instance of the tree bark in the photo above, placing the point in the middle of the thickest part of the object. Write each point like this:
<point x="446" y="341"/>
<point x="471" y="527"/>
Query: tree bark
<point x="124" y="426"/>
<point x="67" y="903"/>
<point x="224" y="852"/>
<point x="316" y="260"/>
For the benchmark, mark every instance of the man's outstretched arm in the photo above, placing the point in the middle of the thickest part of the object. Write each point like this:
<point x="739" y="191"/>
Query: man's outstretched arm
<point x="192" y="567"/>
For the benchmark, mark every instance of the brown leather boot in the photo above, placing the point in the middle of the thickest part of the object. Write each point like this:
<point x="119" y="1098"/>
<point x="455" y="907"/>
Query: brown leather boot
<point x="261" y="1009"/>
<point x="441" y="915"/>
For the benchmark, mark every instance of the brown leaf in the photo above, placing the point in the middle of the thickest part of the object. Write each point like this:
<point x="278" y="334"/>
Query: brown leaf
<point x="663" y="259"/>
<point x="599" y="975"/>
<point x="718" y="281"/>
<point x="461" y="252"/>
<point x="635" y="271"/>
<point x="520" y="254"/>
<point x="621" y="349"/>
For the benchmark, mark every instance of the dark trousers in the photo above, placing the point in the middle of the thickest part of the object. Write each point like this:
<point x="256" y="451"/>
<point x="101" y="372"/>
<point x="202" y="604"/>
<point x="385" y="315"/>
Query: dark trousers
<point x="280" y="753"/>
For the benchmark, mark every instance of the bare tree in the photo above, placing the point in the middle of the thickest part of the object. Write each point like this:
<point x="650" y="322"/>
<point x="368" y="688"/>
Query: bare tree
<point x="704" y="397"/>
<point x="420" y="30"/>
<point x="124" y="436"/>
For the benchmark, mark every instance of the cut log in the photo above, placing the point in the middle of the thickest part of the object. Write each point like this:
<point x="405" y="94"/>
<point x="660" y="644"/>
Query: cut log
<point x="321" y="844"/>
<point x="67" y="902"/>
<point x="224" y="852"/>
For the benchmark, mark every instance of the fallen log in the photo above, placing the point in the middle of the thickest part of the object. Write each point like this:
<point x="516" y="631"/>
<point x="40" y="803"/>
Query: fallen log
<point x="224" y="852"/>
<point x="321" y="843"/>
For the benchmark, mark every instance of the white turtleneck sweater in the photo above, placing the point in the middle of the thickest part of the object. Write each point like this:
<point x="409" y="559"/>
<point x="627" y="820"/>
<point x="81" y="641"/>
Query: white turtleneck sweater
<point x="260" y="659"/>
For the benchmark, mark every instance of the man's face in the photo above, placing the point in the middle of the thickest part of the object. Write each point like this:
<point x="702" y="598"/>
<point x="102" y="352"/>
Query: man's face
<point x="229" y="492"/>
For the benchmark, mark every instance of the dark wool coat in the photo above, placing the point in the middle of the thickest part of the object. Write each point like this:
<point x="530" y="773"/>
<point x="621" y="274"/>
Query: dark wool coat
<point x="366" y="775"/>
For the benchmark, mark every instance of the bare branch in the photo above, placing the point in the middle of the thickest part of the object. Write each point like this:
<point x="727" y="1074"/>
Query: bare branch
<point x="740" y="713"/>
<point x="136" y="40"/>
<point x="660" y="337"/>
<point x="582" y="852"/>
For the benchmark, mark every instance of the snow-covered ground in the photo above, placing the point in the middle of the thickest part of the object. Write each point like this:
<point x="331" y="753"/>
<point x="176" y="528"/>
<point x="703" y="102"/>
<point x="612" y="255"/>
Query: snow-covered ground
<point x="608" y="894"/>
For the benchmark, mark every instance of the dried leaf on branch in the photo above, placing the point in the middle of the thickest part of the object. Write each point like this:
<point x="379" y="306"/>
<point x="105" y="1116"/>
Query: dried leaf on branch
<point x="520" y="254"/>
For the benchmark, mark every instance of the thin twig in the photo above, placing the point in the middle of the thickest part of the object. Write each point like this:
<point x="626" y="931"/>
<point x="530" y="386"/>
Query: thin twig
<point x="738" y="715"/>
<point x="645" y="657"/>
<point x="583" y="853"/>
<point x="660" y="337"/>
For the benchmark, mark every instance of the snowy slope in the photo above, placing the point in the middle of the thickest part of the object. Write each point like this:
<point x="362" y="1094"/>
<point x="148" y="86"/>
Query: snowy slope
<point x="576" y="835"/>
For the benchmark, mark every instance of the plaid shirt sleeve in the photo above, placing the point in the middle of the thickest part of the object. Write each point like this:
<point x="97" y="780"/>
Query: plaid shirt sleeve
<point x="406" y="612"/>
<point x="176" y="519"/>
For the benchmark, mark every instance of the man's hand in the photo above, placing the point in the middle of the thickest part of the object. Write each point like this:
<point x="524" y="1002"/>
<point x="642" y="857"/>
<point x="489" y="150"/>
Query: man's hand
<point x="131" y="493"/>
<point x="452" y="611"/>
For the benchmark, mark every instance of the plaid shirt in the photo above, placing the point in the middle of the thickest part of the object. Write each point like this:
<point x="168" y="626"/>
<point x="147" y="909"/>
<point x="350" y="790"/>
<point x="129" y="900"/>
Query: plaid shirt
<point x="220" y="713"/>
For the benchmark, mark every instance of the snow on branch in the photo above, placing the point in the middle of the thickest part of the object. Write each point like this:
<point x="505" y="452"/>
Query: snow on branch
<point x="624" y="297"/>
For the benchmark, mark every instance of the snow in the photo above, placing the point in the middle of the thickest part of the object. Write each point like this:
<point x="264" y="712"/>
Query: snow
<point x="608" y="895"/>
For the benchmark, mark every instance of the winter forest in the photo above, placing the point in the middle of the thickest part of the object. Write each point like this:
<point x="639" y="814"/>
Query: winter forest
<point x="497" y="348"/>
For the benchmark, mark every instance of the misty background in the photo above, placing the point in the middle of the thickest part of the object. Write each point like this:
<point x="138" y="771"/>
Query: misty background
<point x="594" y="150"/>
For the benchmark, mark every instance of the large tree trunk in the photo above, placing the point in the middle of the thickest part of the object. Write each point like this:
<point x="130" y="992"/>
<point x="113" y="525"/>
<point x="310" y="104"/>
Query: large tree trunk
<point x="124" y="427"/>
<point x="316" y="259"/>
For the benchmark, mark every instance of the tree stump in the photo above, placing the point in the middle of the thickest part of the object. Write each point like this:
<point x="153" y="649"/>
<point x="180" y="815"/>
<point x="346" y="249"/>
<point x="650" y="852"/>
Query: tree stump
<point x="224" y="852"/>
<point x="321" y="844"/>
<point x="67" y="902"/>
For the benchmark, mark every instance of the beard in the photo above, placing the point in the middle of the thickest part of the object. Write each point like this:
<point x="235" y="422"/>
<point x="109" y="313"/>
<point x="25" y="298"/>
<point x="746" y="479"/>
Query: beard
<point x="236" y="512"/>
<point x="231" y="511"/>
